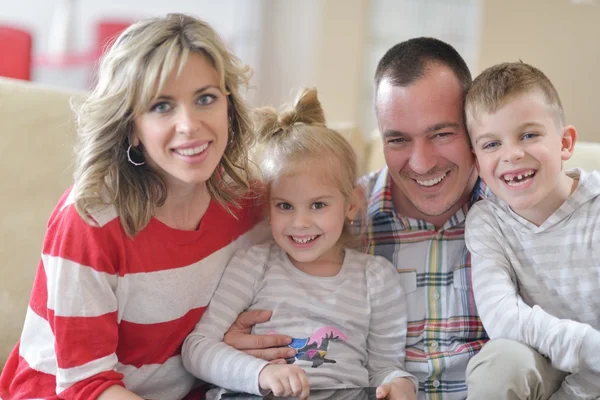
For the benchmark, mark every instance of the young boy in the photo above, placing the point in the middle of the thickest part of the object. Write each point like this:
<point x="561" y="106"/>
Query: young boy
<point x="535" y="245"/>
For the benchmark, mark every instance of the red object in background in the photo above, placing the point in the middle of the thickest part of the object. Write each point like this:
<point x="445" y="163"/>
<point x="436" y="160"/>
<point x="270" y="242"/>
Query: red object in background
<point x="15" y="53"/>
<point x="106" y="33"/>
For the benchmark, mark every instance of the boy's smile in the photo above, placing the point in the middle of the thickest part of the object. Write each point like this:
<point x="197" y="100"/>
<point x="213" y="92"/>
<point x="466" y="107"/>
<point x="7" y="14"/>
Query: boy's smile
<point x="519" y="179"/>
<point x="520" y="149"/>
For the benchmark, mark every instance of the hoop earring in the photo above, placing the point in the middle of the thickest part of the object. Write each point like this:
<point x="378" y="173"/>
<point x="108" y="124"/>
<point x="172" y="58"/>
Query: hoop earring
<point x="231" y="132"/>
<point x="232" y="135"/>
<point x="137" y="153"/>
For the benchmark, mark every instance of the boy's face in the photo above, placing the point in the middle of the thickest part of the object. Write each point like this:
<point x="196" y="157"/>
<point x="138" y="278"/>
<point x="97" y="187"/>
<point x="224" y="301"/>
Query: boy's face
<point x="520" y="149"/>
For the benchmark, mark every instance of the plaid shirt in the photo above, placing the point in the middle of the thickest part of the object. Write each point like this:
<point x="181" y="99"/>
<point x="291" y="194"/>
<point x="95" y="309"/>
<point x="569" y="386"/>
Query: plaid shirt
<point x="444" y="330"/>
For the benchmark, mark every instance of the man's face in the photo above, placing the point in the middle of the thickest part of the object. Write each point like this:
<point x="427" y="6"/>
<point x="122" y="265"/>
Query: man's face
<point x="426" y="146"/>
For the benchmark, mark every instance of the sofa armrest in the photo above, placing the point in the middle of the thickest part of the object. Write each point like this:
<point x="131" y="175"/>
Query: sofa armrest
<point x="36" y="137"/>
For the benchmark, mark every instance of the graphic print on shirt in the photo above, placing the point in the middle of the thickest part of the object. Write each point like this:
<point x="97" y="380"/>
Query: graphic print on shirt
<point x="314" y="348"/>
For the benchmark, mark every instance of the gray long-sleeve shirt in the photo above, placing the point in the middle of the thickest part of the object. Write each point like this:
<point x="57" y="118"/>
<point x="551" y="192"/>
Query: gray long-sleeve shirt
<point x="539" y="285"/>
<point x="349" y="329"/>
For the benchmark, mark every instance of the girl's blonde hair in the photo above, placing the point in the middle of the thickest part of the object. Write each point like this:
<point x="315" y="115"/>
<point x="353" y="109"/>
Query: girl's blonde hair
<point x="130" y="76"/>
<point x="296" y="138"/>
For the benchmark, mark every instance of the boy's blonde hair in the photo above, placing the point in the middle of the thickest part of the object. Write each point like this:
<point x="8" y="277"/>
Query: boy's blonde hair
<point x="295" y="139"/>
<point x="497" y="85"/>
<point x="130" y="76"/>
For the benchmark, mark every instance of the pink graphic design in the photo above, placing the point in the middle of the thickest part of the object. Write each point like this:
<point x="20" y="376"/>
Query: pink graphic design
<point x="314" y="348"/>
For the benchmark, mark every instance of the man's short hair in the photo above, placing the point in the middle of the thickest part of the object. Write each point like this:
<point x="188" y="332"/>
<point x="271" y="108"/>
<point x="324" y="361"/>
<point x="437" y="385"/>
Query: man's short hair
<point x="498" y="84"/>
<point x="408" y="61"/>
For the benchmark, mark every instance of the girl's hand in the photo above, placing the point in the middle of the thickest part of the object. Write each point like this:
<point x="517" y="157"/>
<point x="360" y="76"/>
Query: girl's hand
<point x="284" y="380"/>
<point x="397" y="389"/>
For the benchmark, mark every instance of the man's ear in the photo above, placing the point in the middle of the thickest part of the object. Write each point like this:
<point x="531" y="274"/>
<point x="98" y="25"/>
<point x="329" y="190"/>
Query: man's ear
<point x="356" y="202"/>
<point x="569" y="137"/>
<point x="478" y="168"/>
<point x="477" y="165"/>
<point x="475" y="159"/>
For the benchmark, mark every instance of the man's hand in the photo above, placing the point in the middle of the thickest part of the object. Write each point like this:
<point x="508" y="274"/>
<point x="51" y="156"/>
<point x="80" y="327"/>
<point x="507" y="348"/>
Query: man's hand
<point x="267" y="347"/>
<point x="284" y="380"/>
<point x="397" y="389"/>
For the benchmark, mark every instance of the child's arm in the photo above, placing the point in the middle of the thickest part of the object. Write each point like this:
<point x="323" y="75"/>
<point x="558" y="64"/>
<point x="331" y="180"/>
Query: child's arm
<point x="386" y="341"/>
<point x="584" y="385"/>
<point x="204" y="354"/>
<point x="503" y="312"/>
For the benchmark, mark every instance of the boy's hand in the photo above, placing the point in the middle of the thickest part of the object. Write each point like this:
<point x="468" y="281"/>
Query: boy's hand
<point x="397" y="389"/>
<point x="284" y="380"/>
<point x="267" y="347"/>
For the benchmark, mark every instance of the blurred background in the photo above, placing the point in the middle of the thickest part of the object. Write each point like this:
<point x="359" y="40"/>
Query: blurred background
<point x="333" y="45"/>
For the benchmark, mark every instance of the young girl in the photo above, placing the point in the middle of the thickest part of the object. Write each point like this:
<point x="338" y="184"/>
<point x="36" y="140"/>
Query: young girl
<point x="344" y="309"/>
<point x="135" y="250"/>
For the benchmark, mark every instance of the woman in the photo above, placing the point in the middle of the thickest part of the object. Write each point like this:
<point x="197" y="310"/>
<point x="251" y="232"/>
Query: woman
<point x="135" y="249"/>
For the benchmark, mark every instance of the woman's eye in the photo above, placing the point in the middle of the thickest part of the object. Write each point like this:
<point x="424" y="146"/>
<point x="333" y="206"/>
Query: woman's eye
<point x="318" y="205"/>
<point x="206" y="99"/>
<point x="161" y="107"/>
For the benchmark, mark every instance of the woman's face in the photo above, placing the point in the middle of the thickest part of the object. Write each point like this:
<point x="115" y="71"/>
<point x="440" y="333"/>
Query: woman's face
<point x="184" y="132"/>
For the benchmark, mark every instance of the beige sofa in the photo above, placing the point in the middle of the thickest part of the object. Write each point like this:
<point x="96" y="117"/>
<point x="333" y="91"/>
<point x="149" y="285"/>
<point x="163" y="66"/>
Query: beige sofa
<point x="36" y="158"/>
<point x="36" y="134"/>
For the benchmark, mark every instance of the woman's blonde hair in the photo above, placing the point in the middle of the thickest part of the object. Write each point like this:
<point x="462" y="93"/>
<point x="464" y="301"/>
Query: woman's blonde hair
<point x="130" y="76"/>
<point x="296" y="138"/>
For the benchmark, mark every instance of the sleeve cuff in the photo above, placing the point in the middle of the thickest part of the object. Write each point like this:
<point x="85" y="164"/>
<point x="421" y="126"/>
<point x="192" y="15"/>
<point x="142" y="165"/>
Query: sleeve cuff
<point x="402" y="374"/>
<point x="589" y="353"/>
<point x="257" y="390"/>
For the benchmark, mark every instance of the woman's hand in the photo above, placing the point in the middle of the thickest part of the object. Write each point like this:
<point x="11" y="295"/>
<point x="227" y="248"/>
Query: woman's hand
<point x="284" y="380"/>
<point x="268" y="347"/>
<point x="397" y="389"/>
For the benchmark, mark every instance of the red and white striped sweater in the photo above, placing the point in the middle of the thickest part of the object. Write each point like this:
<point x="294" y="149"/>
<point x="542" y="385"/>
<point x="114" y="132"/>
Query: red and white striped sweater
<point x="108" y="310"/>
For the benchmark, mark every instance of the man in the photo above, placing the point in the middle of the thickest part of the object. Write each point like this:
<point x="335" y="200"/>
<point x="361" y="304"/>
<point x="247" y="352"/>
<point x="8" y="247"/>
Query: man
<point x="418" y="204"/>
<point x="416" y="214"/>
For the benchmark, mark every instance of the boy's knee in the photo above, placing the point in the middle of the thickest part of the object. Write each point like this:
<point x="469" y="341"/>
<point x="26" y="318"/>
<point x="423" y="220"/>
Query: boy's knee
<point x="506" y="369"/>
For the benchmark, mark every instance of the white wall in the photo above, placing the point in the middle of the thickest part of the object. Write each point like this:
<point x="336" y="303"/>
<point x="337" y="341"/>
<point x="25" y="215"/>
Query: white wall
<point x="331" y="44"/>
<point x="286" y="54"/>
<point x="393" y="21"/>
<point x="235" y="20"/>
<point x="560" y="37"/>
<point x="313" y="43"/>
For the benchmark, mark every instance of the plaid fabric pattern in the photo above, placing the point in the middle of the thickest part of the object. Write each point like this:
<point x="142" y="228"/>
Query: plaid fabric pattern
<point x="444" y="329"/>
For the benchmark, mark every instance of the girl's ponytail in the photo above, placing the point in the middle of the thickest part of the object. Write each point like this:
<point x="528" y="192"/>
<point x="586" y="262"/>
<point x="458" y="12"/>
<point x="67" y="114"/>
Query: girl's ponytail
<point x="306" y="110"/>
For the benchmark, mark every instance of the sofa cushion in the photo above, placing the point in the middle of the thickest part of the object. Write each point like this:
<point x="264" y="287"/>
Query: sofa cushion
<point x="37" y="133"/>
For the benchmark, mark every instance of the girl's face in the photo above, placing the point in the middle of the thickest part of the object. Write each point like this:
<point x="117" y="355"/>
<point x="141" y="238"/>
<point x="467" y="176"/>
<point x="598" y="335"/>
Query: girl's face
<point x="184" y="132"/>
<point x="307" y="217"/>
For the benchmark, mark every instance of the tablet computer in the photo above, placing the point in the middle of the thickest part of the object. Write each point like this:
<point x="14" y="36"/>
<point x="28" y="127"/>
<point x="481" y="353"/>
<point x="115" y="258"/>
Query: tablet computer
<point x="333" y="394"/>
